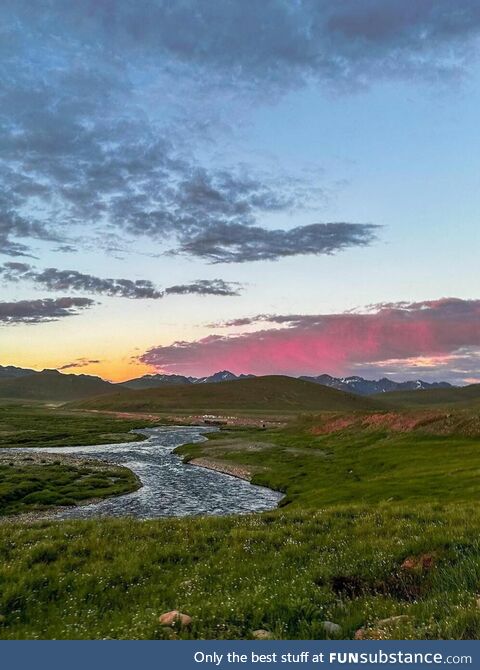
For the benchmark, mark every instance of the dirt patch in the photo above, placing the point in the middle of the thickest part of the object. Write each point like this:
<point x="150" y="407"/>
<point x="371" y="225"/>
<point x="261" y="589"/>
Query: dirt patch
<point x="240" y="445"/>
<point x="240" y="471"/>
<point x="422" y="563"/>
<point x="400" y="422"/>
<point x="334" y="425"/>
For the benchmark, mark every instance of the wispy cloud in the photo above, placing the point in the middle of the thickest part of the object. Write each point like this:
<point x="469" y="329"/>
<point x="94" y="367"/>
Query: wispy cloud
<point x="79" y="363"/>
<point x="234" y="243"/>
<point x="139" y="289"/>
<point x="338" y="343"/>
<point x="206" y="287"/>
<point x="41" y="311"/>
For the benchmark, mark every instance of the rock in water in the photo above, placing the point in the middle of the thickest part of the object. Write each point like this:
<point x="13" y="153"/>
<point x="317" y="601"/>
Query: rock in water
<point x="175" y="618"/>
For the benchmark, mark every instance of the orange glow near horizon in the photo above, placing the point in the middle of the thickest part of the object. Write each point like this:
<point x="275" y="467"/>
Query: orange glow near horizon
<point x="114" y="370"/>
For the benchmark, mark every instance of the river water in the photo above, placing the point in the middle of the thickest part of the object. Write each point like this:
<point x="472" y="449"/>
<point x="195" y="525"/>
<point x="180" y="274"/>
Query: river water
<point x="170" y="487"/>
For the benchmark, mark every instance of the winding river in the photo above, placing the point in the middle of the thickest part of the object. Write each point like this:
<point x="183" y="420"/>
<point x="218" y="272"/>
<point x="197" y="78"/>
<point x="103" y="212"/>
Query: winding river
<point x="170" y="487"/>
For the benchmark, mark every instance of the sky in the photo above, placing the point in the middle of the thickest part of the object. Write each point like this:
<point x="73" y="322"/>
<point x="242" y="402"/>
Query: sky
<point x="283" y="187"/>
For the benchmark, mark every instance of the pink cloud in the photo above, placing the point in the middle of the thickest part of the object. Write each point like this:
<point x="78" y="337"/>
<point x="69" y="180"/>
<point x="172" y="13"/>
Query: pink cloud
<point x="335" y="343"/>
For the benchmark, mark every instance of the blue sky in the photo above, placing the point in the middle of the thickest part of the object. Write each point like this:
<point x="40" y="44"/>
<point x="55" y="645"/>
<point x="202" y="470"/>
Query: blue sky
<point x="167" y="168"/>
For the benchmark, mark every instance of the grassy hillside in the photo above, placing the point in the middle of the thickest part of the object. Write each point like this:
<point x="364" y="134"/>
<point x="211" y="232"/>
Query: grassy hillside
<point x="378" y="524"/>
<point x="272" y="393"/>
<point x="51" y="385"/>
<point x="355" y="464"/>
<point x="463" y="396"/>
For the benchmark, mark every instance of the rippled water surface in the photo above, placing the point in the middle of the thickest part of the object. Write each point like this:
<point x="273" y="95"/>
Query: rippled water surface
<point x="170" y="487"/>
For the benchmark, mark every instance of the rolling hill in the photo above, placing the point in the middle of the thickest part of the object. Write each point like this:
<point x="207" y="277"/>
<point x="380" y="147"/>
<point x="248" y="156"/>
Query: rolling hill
<point x="270" y="393"/>
<point x="458" y="397"/>
<point x="54" y="386"/>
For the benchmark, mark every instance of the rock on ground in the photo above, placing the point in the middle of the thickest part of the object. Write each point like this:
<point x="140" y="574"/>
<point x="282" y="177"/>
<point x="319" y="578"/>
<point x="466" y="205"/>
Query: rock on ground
<point x="332" y="628"/>
<point x="262" y="634"/>
<point x="175" y="618"/>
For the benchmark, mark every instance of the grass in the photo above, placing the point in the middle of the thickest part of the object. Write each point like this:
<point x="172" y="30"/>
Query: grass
<point x="270" y="393"/>
<point x="380" y="519"/>
<point x="465" y="396"/>
<point x="35" y="426"/>
<point x="286" y="571"/>
<point x="351" y="465"/>
<point x="27" y="484"/>
<point x="34" y="486"/>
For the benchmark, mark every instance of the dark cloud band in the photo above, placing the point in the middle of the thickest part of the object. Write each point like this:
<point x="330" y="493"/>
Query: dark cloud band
<point x="41" y="311"/>
<point x="233" y="243"/>
<point x="72" y="280"/>
<point x="79" y="363"/>
<point x="206" y="287"/>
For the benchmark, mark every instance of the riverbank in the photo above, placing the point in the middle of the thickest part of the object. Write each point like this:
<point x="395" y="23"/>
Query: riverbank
<point x="241" y="472"/>
<point x="377" y="533"/>
<point x="36" y="485"/>
<point x="170" y="487"/>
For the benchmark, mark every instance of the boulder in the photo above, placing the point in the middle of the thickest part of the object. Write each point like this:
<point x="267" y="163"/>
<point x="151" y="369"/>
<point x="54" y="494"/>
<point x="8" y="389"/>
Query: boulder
<point x="175" y="619"/>
<point x="332" y="628"/>
<point x="422" y="563"/>
<point x="377" y="632"/>
<point x="262" y="634"/>
<point x="393" y="620"/>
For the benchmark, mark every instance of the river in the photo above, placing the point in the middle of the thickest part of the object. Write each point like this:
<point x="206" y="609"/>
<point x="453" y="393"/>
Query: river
<point x="170" y="487"/>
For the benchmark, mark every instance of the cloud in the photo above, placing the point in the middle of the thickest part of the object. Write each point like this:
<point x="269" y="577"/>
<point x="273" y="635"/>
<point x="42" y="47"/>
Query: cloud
<point x="62" y="280"/>
<point x="336" y="343"/>
<point x="79" y="363"/>
<point x="76" y="171"/>
<point x="140" y="289"/>
<point x="234" y="243"/>
<point x="206" y="287"/>
<point x="108" y="138"/>
<point x="308" y="39"/>
<point x="41" y="311"/>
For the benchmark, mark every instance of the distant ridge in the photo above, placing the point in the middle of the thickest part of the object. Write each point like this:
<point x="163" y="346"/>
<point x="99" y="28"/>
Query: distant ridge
<point x="16" y="382"/>
<point x="354" y="384"/>
<point x="12" y="372"/>
<point x="370" y="386"/>
<point x="270" y="393"/>
<point x="460" y="397"/>
<point x="55" y="386"/>
<point x="158" y="380"/>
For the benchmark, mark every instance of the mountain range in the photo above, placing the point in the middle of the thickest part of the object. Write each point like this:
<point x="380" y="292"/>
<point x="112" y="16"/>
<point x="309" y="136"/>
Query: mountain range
<point x="52" y="384"/>
<point x="363" y="386"/>
<point x="357" y="385"/>
<point x="154" y="381"/>
<point x="11" y="372"/>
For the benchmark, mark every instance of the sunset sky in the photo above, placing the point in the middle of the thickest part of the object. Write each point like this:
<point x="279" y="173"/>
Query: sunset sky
<point x="275" y="187"/>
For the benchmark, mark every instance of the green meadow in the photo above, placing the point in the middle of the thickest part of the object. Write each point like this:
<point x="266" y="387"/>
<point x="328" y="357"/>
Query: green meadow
<point x="33" y="425"/>
<point x="29" y="485"/>
<point x="378" y="533"/>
